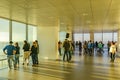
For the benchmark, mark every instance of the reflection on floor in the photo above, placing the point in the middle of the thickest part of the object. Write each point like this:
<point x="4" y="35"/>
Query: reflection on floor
<point x="82" y="67"/>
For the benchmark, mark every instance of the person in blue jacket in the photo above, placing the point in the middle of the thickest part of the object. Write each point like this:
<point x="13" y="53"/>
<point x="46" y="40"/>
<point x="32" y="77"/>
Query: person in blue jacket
<point x="10" y="50"/>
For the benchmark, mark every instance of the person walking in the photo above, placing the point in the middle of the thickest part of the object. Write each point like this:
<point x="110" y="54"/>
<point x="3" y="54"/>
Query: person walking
<point x="66" y="46"/>
<point x="10" y="50"/>
<point x="17" y="54"/>
<point x="112" y="51"/>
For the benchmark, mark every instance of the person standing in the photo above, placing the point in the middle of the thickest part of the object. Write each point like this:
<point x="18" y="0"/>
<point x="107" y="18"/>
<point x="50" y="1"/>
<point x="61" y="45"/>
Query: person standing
<point x="112" y="51"/>
<point x="26" y="48"/>
<point x="34" y="53"/>
<point x="37" y="60"/>
<point x="17" y="54"/>
<point x="10" y="50"/>
<point x="66" y="46"/>
<point x="59" y="47"/>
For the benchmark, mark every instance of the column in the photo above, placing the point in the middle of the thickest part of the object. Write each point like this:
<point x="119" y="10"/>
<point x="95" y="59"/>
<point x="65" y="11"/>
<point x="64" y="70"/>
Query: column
<point x="48" y="39"/>
<point x="118" y="42"/>
<point x="92" y="36"/>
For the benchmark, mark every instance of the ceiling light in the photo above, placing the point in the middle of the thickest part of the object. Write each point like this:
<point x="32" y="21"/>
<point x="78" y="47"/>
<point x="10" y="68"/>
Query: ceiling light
<point x="84" y="14"/>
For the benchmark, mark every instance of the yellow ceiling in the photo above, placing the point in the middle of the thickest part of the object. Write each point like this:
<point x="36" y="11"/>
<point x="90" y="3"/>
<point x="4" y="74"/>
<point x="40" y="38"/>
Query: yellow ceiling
<point x="78" y="15"/>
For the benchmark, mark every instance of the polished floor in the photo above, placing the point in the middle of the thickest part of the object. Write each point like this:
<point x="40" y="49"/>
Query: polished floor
<point x="84" y="67"/>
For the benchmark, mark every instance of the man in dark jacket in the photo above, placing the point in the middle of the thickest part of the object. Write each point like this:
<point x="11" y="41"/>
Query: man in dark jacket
<point x="26" y="48"/>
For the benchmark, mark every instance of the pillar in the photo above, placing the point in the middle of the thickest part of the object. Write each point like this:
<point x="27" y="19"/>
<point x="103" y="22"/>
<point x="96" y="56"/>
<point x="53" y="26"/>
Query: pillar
<point x="92" y="36"/>
<point x="118" y="42"/>
<point x="48" y="38"/>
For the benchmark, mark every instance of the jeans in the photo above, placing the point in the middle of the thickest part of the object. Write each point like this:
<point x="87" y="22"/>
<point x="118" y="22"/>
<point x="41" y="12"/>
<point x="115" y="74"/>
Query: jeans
<point x="34" y="58"/>
<point x="10" y="59"/>
<point x="66" y="52"/>
<point x="17" y="58"/>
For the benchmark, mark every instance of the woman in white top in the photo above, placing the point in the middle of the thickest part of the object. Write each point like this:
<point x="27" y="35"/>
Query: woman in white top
<point x="112" y="51"/>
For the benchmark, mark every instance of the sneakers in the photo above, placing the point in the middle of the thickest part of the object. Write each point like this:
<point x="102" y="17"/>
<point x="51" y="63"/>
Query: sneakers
<point x="23" y="64"/>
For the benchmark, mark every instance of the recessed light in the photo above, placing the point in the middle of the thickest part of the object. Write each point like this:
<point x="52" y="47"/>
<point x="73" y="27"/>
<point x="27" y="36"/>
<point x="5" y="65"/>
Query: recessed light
<point x="84" y="14"/>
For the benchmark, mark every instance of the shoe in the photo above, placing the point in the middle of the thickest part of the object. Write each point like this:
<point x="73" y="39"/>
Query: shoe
<point x="27" y="64"/>
<point x="33" y="65"/>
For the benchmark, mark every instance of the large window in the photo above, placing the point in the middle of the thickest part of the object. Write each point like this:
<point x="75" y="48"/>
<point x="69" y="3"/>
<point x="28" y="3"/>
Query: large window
<point x="32" y="33"/>
<point x="4" y="34"/>
<point x="18" y="33"/>
<point x="115" y="36"/>
<point x="62" y="36"/>
<point x="78" y="37"/>
<point x="107" y="37"/>
<point x="98" y="37"/>
<point x="86" y="36"/>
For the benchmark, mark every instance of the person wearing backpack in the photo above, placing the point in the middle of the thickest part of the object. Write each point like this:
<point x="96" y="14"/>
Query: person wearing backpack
<point x="66" y="46"/>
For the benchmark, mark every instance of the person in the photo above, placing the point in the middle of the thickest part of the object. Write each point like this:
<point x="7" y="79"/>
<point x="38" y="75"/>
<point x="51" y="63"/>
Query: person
<point x="17" y="54"/>
<point x="59" y="47"/>
<point x="112" y="51"/>
<point x="37" y="52"/>
<point x="108" y="45"/>
<point x="26" y="48"/>
<point x="70" y="51"/>
<point x="34" y="53"/>
<point x="80" y="47"/>
<point x="10" y="50"/>
<point x="66" y="46"/>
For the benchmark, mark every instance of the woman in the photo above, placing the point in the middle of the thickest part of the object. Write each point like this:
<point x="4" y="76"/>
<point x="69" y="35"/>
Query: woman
<point x="112" y="51"/>
<point x="17" y="54"/>
<point x="34" y="53"/>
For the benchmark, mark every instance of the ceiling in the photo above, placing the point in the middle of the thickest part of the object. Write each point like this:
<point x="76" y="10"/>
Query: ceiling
<point x="77" y="15"/>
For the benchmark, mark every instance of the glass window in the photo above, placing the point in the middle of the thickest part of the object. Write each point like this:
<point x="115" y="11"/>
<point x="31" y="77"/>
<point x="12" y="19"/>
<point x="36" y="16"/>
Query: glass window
<point x="4" y="34"/>
<point x="62" y="36"/>
<point x="107" y="37"/>
<point x="18" y="33"/>
<point x="78" y="37"/>
<point x="32" y="33"/>
<point x="98" y="37"/>
<point x="115" y="36"/>
<point x="86" y="36"/>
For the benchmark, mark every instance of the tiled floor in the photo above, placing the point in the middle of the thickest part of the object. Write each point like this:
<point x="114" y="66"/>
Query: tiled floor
<point x="80" y="68"/>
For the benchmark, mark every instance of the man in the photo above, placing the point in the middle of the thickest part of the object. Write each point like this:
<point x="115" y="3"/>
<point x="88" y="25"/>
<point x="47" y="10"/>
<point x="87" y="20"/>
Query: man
<point x="9" y="50"/>
<point x="66" y="46"/>
<point x="37" y="51"/>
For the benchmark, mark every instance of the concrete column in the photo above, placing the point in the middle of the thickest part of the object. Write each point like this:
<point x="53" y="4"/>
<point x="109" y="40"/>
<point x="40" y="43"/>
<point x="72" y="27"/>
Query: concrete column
<point x="118" y="42"/>
<point x="48" y="39"/>
<point x="92" y="36"/>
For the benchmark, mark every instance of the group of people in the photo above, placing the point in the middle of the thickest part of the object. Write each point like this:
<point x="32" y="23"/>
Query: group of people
<point x="13" y="53"/>
<point x="88" y="47"/>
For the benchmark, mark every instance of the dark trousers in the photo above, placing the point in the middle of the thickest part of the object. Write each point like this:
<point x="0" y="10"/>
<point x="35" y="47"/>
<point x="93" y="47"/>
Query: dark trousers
<point x="66" y="53"/>
<point x="70" y="55"/>
<point x="37" y="61"/>
<point x="90" y="51"/>
<point x="17" y="58"/>
<point x="34" y="58"/>
<point x="112" y="57"/>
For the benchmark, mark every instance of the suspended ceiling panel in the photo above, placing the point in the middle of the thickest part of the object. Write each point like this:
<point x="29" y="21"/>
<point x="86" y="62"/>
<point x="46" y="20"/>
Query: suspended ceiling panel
<point x="80" y="15"/>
